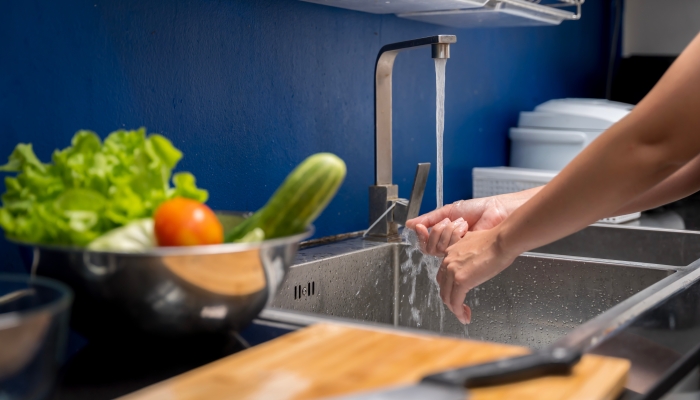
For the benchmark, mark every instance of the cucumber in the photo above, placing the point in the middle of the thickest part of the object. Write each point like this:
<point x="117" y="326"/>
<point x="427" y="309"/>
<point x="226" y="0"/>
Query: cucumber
<point x="304" y="194"/>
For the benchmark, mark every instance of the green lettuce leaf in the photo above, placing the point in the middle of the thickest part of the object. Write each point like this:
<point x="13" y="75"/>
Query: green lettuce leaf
<point x="23" y="157"/>
<point x="185" y="186"/>
<point x="90" y="187"/>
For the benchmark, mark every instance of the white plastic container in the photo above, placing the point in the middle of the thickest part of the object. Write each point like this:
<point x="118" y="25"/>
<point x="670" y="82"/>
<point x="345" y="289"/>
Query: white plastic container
<point x="593" y="108"/>
<point x="501" y="180"/>
<point x="550" y="136"/>
<point x="546" y="149"/>
<point x="550" y="120"/>
<point x="593" y="102"/>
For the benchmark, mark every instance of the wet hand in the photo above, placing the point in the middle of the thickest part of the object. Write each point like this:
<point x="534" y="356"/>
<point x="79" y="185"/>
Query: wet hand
<point x="479" y="214"/>
<point x="442" y="235"/>
<point x="473" y="260"/>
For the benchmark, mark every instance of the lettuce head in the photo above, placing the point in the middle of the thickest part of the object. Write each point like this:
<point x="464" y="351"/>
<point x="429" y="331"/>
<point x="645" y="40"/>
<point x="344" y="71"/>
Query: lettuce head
<point x="90" y="187"/>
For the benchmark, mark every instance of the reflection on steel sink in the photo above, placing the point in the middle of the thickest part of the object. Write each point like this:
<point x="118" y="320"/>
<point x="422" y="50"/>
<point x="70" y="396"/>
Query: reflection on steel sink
<point x="536" y="301"/>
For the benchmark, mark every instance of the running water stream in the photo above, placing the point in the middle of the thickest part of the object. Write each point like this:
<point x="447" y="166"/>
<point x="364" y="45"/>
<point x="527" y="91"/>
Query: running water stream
<point x="440" y="64"/>
<point x="410" y="268"/>
<point x="426" y="308"/>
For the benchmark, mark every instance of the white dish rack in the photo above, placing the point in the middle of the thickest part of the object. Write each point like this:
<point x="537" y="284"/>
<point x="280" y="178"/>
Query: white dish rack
<point x="501" y="180"/>
<point x="469" y="13"/>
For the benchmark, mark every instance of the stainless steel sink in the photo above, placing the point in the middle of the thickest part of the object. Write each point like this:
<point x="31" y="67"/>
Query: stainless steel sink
<point x="650" y="245"/>
<point x="633" y="307"/>
<point x="536" y="301"/>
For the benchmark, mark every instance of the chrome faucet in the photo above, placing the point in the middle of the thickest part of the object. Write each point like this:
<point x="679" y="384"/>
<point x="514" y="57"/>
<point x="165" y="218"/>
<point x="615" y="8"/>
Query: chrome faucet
<point x="384" y="195"/>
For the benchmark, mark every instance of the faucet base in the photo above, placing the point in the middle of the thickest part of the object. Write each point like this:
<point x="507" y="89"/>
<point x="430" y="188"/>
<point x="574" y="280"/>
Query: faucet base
<point x="380" y="199"/>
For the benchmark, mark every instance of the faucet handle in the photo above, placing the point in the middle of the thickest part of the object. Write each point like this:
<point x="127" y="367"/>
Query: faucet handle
<point x="403" y="212"/>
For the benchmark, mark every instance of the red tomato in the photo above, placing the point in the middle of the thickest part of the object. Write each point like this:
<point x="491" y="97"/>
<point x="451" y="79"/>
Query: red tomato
<point x="186" y="222"/>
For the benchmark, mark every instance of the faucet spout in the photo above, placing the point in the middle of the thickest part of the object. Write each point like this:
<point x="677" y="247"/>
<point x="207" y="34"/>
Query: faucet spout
<point x="383" y="71"/>
<point x="441" y="50"/>
<point x="384" y="193"/>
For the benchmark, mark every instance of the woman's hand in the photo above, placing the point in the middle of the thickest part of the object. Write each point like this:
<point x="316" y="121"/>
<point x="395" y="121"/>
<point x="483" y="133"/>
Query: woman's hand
<point x="657" y="138"/>
<point x="473" y="260"/>
<point x="449" y="224"/>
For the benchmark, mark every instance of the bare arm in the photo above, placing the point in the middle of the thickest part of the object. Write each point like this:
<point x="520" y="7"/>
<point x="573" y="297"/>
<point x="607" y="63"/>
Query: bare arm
<point x="654" y="141"/>
<point x="659" y="137"/>
<point x="680" y="184"/>
<point x="451" y="222"/>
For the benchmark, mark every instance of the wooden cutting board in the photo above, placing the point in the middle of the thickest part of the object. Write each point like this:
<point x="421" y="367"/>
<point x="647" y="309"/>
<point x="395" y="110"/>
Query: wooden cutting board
<point x="332" y="359"/>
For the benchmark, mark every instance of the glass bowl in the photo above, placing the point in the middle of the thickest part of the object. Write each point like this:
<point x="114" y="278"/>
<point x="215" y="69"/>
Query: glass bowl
<point x="33" y="327"/>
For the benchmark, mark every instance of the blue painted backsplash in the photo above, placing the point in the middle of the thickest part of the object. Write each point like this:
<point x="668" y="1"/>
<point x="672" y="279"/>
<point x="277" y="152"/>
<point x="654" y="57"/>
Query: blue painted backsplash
<point x="248" y="89"/>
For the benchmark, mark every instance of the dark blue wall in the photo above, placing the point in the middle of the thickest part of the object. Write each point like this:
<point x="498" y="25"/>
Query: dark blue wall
<point x="247" y="89"/>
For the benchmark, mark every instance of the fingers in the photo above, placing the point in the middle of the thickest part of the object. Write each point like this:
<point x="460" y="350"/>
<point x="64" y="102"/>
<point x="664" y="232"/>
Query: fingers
<point x="457" y="234"/>
<point x="446" y="236"/>
<point x="453" y="293"/>
<point x="435" y="235"/>
<point x="430" y="219"/>
<point x="446" y="286"/>
<point x="467" y="313"/>
<point x="423" y="236"/>
<point x="453" y="289"/>
<point x="457" y="296"/>
<point x="445" y="283"/>
<point x="440" y="278"/>
<point x="443" y="235"/>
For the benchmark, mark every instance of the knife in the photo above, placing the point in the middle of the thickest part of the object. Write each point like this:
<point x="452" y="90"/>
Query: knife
<point x="452" y="384"/>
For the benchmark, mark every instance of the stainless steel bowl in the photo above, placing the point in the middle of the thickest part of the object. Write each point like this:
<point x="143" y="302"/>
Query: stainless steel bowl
<point x="171" y="290"/>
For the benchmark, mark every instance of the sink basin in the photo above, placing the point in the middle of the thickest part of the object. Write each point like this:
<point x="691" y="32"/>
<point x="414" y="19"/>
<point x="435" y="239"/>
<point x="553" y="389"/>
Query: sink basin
<point x="536" y="301"/>
<point x="641" y="303"/>
<point x="649" y="245"/>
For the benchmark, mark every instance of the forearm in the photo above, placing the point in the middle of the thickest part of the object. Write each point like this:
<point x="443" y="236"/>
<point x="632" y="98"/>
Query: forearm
<point x="680" y="184"/>
<point x="684" y="182"/>
<point x="654" y="141"/>
<point x="515" y="200"/>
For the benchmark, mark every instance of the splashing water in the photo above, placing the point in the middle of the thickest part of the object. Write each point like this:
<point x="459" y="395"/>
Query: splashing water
<point x="440" y="64"/>
<point x="411" y="269"/>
